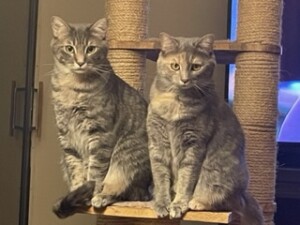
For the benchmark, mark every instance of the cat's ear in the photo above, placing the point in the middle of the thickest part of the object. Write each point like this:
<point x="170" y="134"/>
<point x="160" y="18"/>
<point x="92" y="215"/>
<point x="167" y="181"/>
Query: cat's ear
<point x="168" y="43"/>
<point x="59" y="26"/>
<point x="99" y="28"/>
<point x="206" y="42"/>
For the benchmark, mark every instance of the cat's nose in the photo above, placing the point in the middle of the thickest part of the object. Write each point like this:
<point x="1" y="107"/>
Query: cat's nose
<point x="80" y="60"/>
<point x="80" y="64"/>
<point x="184" y="80"/>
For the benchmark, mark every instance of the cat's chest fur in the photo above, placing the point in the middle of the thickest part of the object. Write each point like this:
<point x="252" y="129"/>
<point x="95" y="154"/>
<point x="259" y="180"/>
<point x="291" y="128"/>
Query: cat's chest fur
<point x="167" y="106"/>
<point x="79" y="110"/>
<point x="71" y="100"/>
<point x="70" y="92"/>
<point x="171" y="107"/>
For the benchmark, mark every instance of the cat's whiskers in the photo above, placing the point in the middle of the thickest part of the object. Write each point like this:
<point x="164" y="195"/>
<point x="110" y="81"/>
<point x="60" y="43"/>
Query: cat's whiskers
<point x="102" y="73"/>
<point x="205" y="89"/>
<point x="202" y="92"/>
<point x="171" y="89"/>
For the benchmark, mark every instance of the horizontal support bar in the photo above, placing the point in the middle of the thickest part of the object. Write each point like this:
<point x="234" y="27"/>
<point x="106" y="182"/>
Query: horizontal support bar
<point x="225" y="50"/>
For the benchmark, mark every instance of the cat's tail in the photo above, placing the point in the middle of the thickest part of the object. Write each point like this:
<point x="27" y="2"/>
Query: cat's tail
<point x="251" y="212"/>
<point x="75" y="201"/>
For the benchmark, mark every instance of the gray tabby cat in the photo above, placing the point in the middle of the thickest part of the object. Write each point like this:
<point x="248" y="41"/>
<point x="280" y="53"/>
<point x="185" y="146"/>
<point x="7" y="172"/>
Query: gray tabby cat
<point x="101" y="122"/>
<point x="196" y="143"/>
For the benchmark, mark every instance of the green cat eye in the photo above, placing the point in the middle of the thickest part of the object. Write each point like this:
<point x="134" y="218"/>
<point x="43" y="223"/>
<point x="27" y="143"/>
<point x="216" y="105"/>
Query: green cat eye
<point x="69" y="48"/>
<point x="90" y="49"/>
<point x="196" y="67"/>
<point x="175" y="66"/>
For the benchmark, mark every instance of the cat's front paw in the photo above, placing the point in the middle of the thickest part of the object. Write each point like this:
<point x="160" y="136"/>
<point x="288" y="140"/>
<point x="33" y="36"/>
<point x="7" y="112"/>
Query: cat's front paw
<point x="195" y="204"/>
<point x="99" y="201"/>
<point x="161" y="209"/>
<point x="177" y="209"/>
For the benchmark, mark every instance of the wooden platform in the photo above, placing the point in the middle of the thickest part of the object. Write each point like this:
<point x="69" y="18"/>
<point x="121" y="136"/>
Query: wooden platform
<point x="144" y="210"/>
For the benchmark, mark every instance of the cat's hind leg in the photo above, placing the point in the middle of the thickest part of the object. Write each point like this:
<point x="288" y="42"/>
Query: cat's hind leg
<point x="208" y="195"/>
<point x="198" y="204"/>
<point x="114" y="184"/>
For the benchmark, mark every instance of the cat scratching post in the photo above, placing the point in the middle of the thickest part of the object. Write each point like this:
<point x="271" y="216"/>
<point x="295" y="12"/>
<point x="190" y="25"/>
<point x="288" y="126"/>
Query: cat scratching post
<point x="127" y="21"/>
<point x="255" y="96"/>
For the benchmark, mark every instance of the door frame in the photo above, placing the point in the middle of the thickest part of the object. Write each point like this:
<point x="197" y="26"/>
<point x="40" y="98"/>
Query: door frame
<point x="28" y="112"/>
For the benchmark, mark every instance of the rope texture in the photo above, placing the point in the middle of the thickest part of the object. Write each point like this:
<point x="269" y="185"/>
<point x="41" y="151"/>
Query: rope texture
<point x="128" y="21"/>
<point x="255" y="101"/>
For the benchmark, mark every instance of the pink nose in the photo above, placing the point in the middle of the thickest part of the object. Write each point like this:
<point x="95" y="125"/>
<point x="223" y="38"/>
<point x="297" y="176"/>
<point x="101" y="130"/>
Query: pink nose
<point x="185" y="80"/>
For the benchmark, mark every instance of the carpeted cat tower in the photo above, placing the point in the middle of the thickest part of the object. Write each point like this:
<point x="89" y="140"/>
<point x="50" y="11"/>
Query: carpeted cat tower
<point x="256" y="54"/>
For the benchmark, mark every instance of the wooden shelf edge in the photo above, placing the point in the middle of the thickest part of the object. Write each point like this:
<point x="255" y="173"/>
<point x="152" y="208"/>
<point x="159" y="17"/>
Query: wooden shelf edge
<point x="144" y="210"/>
<point x="225" y="50"/>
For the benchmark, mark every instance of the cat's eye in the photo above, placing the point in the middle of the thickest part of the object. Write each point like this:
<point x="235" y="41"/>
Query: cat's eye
<point x="91" y="49"/>
<point x="196" y="67"/>
<point x="175" y="66"/>
<point x="69" y="48"/>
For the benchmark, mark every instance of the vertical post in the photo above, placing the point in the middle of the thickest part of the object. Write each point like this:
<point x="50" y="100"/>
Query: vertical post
<point x="255" y="102"/>
<point x="127" y="21"/>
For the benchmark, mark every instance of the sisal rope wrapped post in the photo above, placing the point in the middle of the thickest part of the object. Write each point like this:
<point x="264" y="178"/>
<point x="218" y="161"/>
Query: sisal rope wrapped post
<point x="255" y="101"/>
<point x="127" y="21"/>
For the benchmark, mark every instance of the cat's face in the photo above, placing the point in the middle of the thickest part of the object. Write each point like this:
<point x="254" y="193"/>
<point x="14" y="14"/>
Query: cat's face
<point x="79" y="49"/>
<point x="185" y="62"/>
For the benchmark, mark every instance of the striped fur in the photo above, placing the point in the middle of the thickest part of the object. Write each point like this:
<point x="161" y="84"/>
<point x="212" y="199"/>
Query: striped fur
<point x="196" y="143"/>
<point x="101" y="120"/>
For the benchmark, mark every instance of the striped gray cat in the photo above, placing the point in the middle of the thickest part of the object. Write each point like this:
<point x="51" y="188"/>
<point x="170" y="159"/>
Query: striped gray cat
<point x="196" y="142"/>
<point x="101" y="122"/>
